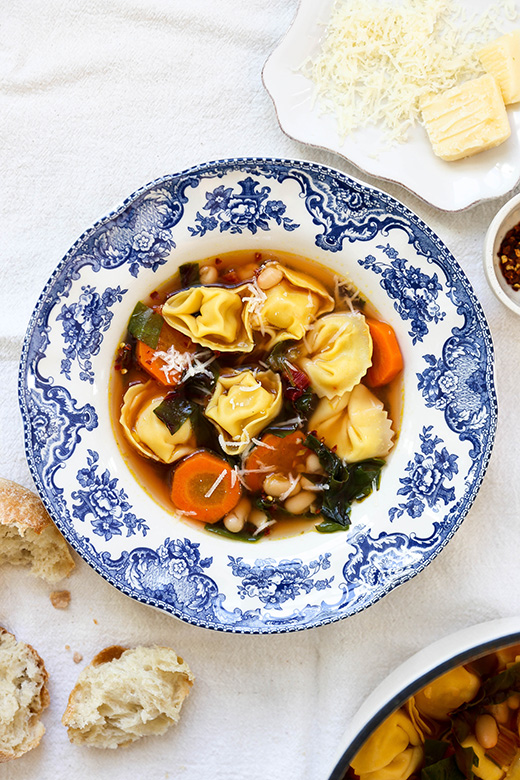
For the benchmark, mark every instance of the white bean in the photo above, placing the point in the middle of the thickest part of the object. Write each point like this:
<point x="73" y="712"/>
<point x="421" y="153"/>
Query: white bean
<point x="270" y="276"/>
<point x="208" y="274"/>
<point x="486" y="731"/>
<point x="257" y="517"/>
<point x="246" y="271"/>
<point x="306" y="484"/>
<point x="235" y="520"/>
<point x="500" y="712"/>
<point x="299" y="504"/>
<point x="276" y="485"/>
<point x="312" y="464"/>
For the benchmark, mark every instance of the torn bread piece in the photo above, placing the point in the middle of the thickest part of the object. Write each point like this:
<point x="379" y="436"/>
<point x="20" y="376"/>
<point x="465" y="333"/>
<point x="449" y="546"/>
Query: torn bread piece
<point x="23" y="696"/>
<point x="126" y="694"/>
<point x="28" y="537"/>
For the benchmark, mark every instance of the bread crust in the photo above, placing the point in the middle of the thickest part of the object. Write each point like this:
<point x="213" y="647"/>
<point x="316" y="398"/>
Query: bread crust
<point x="30" y="534"/>
<point x="22" y="508"/>
<point x="37" y="705"/>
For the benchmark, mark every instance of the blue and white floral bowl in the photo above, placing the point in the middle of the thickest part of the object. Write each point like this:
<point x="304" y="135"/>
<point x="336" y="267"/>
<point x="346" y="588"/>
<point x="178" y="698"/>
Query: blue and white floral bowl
<point x="432" y="475"/>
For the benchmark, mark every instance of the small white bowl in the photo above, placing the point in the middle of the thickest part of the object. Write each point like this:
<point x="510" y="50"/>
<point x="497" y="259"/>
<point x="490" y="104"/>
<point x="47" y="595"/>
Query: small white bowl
<point x="507" y="218"/>
<point x="419" y="670"/>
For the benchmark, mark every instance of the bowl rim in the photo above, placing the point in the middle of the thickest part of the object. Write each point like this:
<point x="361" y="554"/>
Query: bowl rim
<point x="307" y="166"/>
<point x="490" y="266"/>
<point x="433" y="660"/>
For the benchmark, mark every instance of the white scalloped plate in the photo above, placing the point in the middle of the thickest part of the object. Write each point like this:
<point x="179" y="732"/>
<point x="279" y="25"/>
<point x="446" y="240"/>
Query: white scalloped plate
<point x="432" y="475"/>
<point x="450" y="186"/>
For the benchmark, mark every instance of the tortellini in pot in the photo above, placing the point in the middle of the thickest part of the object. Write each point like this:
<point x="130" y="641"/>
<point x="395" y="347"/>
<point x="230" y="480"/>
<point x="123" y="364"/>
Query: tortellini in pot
<point x="447" y="692"/>
<point x="290" y="305"/>
<point x="337" y="353"/>
<point x="146" y="432"/>
<point x="355" y="424"/>
<point x="215" y="317"/>
<point x="393" y="752"/>
<point x="242" y="404"/>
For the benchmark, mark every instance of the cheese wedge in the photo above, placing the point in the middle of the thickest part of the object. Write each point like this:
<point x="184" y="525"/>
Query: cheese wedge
<point x="501" y="59"/>
<point x="466" y="119"/>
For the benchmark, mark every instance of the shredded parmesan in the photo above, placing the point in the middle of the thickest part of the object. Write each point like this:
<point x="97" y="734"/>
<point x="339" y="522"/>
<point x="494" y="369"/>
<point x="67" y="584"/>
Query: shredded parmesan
<point x="263" y="526"/>
<point x="260" y="443"/>
<point x="293" y="481"/>
<point x="216" y="483"/>
<point x="380" y="58"/>
<point x="185" y="363"/>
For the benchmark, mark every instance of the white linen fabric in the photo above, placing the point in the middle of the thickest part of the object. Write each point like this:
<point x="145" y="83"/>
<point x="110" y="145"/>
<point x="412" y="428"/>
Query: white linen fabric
<point x="97" y="98"/>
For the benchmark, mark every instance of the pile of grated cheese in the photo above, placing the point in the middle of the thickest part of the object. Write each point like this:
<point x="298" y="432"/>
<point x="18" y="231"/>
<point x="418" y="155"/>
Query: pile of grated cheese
<point x="378" y="59"/>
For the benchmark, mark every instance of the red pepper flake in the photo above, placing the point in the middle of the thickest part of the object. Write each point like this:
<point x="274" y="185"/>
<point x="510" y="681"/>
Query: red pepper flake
<point x="231" y="277"/>
<point x="218" y="261"/>
<point x="509" y="257"/>
<point x="258" y="256"/>
<point x="154" y="295"/>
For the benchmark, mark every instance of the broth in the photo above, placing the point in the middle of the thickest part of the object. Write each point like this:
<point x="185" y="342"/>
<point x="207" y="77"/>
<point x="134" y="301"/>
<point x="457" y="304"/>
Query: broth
<point x="234" y="270"/>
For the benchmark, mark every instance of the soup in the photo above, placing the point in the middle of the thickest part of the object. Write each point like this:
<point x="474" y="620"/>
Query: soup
<point x="257" y="393"/>
<point x="464" y="724"/>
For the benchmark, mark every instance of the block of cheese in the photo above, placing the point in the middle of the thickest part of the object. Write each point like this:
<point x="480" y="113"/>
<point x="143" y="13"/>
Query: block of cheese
<point x="501" y="59"/>
<point x="466" y="119"/>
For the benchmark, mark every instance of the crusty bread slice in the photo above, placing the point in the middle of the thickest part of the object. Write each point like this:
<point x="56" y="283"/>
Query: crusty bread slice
<point x="28" y="536"/>
<point x="23" y="696"/>
<point x="125" y="694"/>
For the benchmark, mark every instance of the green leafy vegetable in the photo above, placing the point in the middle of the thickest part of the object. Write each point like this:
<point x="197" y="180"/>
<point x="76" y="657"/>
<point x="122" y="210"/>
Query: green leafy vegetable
<point x="189" y="274"/>
<point x="174" y="410"/>
<point x="220" y="530"/>
<point x="306" y="403"/>
<point x="446" y="769"/>
<point x="346" y="483"/>
<point x="434" y="750"/>
<point x="329" y="527"/>
<point x="145" y="324"/>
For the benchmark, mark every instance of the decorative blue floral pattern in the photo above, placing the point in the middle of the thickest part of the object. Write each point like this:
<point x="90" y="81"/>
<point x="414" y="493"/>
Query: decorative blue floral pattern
<point x="241" y="211"/>
<point x="174" y="574"/>
<point x="275" y="583"/>
<point x="83" y="325"/>
<point x="428" y="471"/>
<point x="56" y="424"/>
<point x="104" y="503"/>
<point x="101" y="511"/>
<point x="414" y="292"/>
<point x="141" y="236"/>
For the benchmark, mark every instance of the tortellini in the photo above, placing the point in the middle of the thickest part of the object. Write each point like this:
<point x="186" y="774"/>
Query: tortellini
<point x="145" y="431"/>
<point x="291" y="305"/>
<point x="243" y="403"/>
<point x="393" y="752"/>
<point x="447" y="692"/>
<point x="215" y="317"/>
<point x="336" y="353"/>
<point x="354" y="424"/>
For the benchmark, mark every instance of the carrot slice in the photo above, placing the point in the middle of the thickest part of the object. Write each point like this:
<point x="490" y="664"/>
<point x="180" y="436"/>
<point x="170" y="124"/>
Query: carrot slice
<point x="387" y="360"/>
<point x="275" y="455"/>
<point x="205" y="487"/>
<point x="152" y="362"/>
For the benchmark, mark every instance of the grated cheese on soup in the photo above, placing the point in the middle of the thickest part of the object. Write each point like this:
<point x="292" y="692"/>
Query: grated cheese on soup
<point x="378" y="59"/>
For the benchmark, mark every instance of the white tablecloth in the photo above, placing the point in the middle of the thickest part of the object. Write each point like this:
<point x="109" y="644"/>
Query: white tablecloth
<point x="98" y="97"/>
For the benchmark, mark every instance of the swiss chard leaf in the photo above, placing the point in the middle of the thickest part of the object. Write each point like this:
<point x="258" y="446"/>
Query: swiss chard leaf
<point x="329" y="527"/>
<point x="221" y="530"/>
<point x="306" y="403"/>
<point x="445" y="769"/>
<point x="145" y="324"/>
<point x="498" y="688"/>
<point x="329" y="461"/>
<point x="434" y="750"/>
<point x="173" y="411"/>
<point x="346" y="483"/>
<point x="189" y="274"/>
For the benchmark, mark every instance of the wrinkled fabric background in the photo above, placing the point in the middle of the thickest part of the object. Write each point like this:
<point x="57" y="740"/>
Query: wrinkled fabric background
<point x="97" y="98"/>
